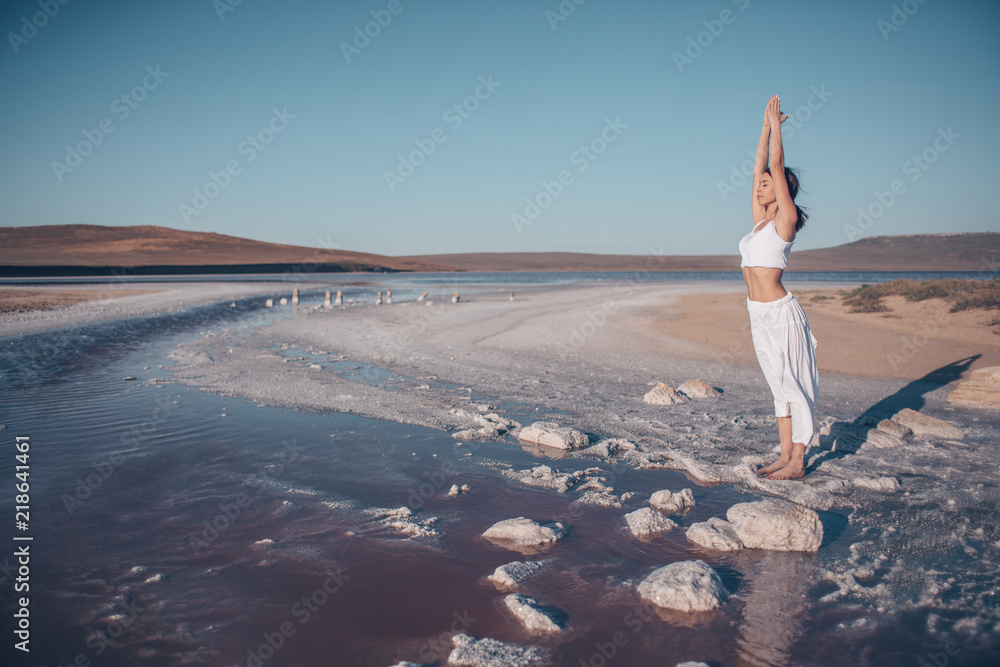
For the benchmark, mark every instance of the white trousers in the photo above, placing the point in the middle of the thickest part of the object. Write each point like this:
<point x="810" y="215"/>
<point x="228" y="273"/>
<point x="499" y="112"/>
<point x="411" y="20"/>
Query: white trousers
<point x="786" y="351"/>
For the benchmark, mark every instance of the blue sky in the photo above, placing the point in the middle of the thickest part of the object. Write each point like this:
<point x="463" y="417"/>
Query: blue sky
<point x="590" y="115"/>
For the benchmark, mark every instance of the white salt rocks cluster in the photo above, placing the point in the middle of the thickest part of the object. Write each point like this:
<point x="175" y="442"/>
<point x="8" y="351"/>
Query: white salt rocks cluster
<point x="457" y="490"/>
<point x="672" y="503"/>
<point x="512" y="575"/>
<point x="402" y="520"/>
<point x="524" y="535"/>
<point x="776" y="525"/>
<point x="489" y="425"/>
<point x="981" y="390"/>
<point x="663" y="394"/>
<point x="545" y="477"/>
<point x="594" y="490"/>
<point x="550" y="434"/>
<point x="646" y="524"/>
<point x="688" y="586"/>
<point x="472" y="652"/>
<point x="715" y="534"/>
<point x="530" y="615"/>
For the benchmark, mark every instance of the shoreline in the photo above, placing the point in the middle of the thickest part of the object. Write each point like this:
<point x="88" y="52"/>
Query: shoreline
<point x="583" y="355"/>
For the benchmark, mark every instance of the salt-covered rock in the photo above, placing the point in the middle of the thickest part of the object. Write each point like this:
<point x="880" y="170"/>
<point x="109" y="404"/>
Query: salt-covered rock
<point x="696" y="388"/>
<point x="604" y="498"/>
<point x="716" y="534"/>
<point x="550" y="434"/>
<point x="545" y="477"/>
<point x="403" y="521"/>
<point x="597" y="492"/>
<point x="512" y="575"/>
<point x="777" y="525"/>
<point x="880" y="439"/>
<point x="692" y="664"/>
<point x="893" y="427"/>
<point x="981" y="390"/>
<point x="608" y="448"/>
<point x="407" y="663"/>
<point x="646" y="524"/>
<point x="925" y="425"/>
<point x="672" y="503"/>
<point x="457" y="490"/>
<point x="530" y="614"/>
<point x="684" y="586"/>
<point x="525" y="535"/>
<point x="663" y="394"/>
<point x="472" y="652"/>
<point x="882" y="484"/>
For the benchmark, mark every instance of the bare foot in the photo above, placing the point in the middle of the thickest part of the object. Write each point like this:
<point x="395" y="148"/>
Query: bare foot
<point x="793" y="470"/>
<point x="777" y="465"/>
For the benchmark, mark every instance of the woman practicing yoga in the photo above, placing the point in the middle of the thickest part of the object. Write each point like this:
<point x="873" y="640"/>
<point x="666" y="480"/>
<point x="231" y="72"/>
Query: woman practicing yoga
<point x="781" y="337"/>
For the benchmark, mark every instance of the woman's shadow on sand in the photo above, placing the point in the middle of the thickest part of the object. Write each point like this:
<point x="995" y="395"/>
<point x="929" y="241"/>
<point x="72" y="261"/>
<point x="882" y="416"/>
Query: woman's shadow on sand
<point x="847" y="437"/>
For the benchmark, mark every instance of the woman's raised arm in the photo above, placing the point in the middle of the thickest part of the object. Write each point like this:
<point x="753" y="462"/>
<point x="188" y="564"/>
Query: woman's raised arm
<point x="759" y="165"/>
<point x="784" y="221"/>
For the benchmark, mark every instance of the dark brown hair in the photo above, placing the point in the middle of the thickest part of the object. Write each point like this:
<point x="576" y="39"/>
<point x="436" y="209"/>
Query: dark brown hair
<point x="792" y="177"/>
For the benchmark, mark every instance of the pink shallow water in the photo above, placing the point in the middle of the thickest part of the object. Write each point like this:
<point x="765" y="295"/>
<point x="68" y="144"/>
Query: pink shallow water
<point x="152" y="565"/>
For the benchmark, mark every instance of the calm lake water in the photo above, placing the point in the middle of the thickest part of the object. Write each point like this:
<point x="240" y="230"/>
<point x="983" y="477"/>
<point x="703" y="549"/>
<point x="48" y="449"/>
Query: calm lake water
<point x="176" y="527"/>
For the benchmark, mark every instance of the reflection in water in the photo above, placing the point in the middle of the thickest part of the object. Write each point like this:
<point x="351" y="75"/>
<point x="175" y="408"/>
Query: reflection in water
<point x="776" y="605"/>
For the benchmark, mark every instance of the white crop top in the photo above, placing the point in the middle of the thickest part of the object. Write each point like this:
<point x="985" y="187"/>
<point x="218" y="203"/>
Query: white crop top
<point x="763" y="247"/>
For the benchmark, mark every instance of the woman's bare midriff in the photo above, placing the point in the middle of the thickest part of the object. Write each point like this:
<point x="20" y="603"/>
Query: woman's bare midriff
<point x="763" y="284"/>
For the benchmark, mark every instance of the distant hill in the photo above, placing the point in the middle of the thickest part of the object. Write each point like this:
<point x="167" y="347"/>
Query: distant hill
<point x="174" y="251"/>
<point x="922" y="252"/>
<point x="89" y="249"/>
